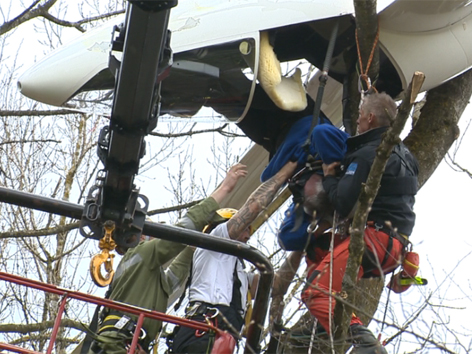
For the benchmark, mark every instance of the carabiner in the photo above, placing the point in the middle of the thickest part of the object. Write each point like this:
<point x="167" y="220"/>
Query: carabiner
<point x="142" y="334"/>
<point x="199" y="333"/>
<point x="360" y="87"/>
<point x="217" y="312"/>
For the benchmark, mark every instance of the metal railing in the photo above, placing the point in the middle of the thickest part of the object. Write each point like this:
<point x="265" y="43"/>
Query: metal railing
<point x="67" y="294"/>
<point x="172" y="233"/>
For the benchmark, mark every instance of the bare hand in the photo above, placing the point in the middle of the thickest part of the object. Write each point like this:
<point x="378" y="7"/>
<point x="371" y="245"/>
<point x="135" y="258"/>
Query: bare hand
<point x="330" y="170"/>
<point x="232" y="177"/>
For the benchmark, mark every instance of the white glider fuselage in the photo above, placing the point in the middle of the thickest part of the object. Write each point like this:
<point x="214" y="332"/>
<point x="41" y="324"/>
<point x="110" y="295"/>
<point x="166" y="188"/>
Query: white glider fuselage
<point x="211" y="68"/>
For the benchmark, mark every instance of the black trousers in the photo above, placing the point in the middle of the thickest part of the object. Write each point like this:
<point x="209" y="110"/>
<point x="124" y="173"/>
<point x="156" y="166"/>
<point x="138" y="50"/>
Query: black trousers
<point x="188" y="341"/>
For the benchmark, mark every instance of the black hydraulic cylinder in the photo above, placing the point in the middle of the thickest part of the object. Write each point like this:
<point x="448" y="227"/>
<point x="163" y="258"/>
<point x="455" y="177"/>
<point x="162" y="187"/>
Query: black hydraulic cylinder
<point x="134" y="99"/>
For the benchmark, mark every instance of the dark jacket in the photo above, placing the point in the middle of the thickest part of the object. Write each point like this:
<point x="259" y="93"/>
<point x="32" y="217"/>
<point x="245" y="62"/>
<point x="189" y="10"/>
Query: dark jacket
<point x="396" y="196"/>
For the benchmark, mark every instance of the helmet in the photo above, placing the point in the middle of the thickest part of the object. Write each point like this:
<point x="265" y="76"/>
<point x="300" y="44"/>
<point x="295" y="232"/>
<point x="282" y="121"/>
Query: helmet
<point x="226" y="213"/>
<point x="220" y="217"/>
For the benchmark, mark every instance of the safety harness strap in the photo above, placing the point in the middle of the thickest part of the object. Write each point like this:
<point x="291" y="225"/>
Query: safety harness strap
<point x="116" y="322"/>
<point x="388" y="251"/>
<point x="89" y="337"/>
<point x="236" y="299"/>
<point x="187" y="285"/>
<point x="406" y="182"/>
<point x="401" y="151"/>
<point x="389" y="231"/>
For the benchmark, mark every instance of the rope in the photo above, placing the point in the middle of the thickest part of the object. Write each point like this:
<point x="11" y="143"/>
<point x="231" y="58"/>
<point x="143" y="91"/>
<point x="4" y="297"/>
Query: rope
<point x="386" y="305"/>
<point x="313" y="333"/>
<point x="331" y="249"/>
<point x="364" y="74"/>
<point x="311" y="229"/>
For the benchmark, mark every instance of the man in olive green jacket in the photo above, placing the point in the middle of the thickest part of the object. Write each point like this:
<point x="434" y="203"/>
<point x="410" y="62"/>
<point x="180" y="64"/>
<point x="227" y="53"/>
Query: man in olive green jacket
<point x="141" y="280"/>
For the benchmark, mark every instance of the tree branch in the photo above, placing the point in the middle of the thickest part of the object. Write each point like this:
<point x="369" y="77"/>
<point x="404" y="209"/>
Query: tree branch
<point x="34" y="11"/>
<point x="37" y="112"/>
<point x="174" y="208"/>
<point x="436" y="129"/>
<point x="29" y="13"/>
<point x="457" y="167"/>
<point x="367" y="29"/>
<point x="41" y="326"/>
<point x="219" y="130"/>
<point x="78" y="24"/>
<point x="43" y="232"/>
<point x="282" y="281"/>
<point x="7" y="142"/>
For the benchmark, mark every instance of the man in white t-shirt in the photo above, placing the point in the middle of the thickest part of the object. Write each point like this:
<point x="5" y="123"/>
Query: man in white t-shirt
<point x="217" y="266"/>
<point x="219" y="283"/>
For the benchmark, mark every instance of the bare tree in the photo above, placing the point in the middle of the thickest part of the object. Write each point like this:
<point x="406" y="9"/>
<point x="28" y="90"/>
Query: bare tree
<point x="52" y="152"/>
<point x="430" y="139"/>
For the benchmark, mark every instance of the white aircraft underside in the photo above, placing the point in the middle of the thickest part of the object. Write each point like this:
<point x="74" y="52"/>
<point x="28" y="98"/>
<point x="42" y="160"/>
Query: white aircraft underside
<point x="217" y="44"/>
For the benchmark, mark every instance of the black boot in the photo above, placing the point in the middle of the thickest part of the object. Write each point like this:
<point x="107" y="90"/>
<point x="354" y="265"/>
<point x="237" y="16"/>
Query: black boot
<point x="364" y="341"/>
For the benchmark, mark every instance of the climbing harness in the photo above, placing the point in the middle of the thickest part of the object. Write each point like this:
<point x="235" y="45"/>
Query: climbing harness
<point x="106" y="244"/>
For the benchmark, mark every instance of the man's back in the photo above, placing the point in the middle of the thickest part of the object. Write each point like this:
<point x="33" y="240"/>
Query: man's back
<point x="213" y="273"/>
<point x="396" y="196"/>
<point x="140" y="280"/>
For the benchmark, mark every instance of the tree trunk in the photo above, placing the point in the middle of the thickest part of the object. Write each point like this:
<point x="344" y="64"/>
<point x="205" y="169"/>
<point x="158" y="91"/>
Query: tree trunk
<point x="429" y="141"/>
<point x="363" y="58"/>
<point x="436" y="129"/>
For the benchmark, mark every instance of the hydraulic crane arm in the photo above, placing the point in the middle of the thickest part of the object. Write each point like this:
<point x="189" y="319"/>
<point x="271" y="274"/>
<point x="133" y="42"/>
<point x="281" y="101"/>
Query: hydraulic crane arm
<point x="144" y="40"/>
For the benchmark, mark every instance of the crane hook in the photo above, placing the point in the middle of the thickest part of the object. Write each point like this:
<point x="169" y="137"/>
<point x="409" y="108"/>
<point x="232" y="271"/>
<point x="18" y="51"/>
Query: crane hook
<point x="106" y="244"/>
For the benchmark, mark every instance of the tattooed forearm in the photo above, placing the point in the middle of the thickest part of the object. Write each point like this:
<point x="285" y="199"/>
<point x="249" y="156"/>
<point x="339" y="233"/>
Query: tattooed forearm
<point x="258" y="200"/>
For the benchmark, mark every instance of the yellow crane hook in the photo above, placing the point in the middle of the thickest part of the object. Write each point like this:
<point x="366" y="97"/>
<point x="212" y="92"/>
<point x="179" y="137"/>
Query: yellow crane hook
<point x="106" y="244"/>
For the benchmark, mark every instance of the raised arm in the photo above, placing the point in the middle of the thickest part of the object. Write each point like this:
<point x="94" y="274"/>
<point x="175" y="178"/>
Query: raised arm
<point x="232" y="177"/>
<point x="201" y="214"/>
<point x="258" y="200"/>
<point x="195" y="219"/>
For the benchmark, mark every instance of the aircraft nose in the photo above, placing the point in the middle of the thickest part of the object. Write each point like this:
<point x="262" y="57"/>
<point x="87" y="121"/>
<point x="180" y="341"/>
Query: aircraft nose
<point x="61" y="75"/>
<point x="42" y="84"/>
<point x="65" y="72"/>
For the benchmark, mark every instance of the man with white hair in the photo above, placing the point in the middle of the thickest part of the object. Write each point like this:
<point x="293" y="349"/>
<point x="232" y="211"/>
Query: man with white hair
<point x="389" y="222"/>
